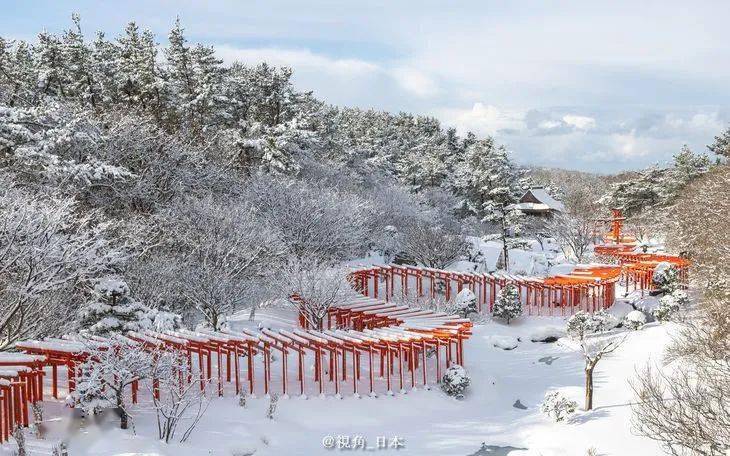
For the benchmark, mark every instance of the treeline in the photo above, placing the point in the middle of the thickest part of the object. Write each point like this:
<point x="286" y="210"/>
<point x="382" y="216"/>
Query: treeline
<point x="195" y="181"/>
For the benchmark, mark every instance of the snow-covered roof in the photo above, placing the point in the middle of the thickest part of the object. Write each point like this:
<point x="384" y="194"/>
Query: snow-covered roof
<point x="541" y="195"/>
<point x="530" y="207"/>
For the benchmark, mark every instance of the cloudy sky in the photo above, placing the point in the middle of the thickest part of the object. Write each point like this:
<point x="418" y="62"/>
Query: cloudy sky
<point x="598" y="86"/>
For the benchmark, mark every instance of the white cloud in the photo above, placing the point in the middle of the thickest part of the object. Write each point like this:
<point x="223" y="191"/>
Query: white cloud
<point x="415" y="81"/>
<point x="482" y="119"/>
<point x="580" y="122"/>
<point x="302" y="59"/>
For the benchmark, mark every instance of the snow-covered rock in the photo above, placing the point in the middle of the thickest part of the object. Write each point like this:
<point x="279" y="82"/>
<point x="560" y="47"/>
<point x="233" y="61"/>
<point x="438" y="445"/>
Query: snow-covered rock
<point x="547" y="334"/>
<point x="504" y="342"/>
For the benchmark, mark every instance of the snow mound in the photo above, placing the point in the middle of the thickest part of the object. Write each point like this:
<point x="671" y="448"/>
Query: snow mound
<point x="504" y="342"/>
<point x="547" y="334"/>
<point x="620" y="309"/>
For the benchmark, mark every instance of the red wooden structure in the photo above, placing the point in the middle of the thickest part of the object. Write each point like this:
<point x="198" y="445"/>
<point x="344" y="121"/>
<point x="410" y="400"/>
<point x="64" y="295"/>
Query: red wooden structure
<point x="587" y="288"/>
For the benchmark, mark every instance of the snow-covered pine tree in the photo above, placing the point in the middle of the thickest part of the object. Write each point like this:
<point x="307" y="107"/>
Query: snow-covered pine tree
<point x="137" y="76"/>
<point x="507" y="306"/>
<point x="482" y="175"/>
<point x="507" y="220"/>
<point x="665" y="278"/>
<point x="49" y="64"/>
<point x="721" y="145"/>
<point x="77" y="64"/>
<point x="105" y="57"/>
<point x="113" y="311"/>
<point x="17" y="74"/>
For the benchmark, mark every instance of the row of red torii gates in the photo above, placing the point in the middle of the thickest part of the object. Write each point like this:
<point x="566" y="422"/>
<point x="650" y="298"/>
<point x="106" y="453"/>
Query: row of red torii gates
<point x="398" y="351"/>
<point x="588" y="288"/>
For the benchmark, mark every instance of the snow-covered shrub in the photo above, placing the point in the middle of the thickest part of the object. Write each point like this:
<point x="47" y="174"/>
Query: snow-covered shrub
<point x="113" y="310"/>
<point x="465" y="303"/>
<point x="666" y="309"/>
<point x="557" y="406"/>
<point x="670" y="304"/>
<point x="635" y="320"/>
<point x="507" y="305"/>
<point x="665" y="278"/>
<point x="583" y="323"/>
<point x="455" y="381"/>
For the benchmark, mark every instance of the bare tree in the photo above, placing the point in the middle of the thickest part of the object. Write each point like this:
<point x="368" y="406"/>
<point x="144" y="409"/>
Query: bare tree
<point x="312" y="222"/>
<point x="594" y="349"/>
<point x="218" y="255"/>
<point x="684" y="404"/>
<point x="573" y="232"/>
<point x="176" y="402"/>
<point x="431" y="245"/>
<point x="315" y="287"/>
<point x="45" y="247"/>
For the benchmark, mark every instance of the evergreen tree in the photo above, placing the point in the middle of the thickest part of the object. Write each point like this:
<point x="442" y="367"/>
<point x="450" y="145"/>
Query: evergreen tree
<point x="721" y="145"/>
<point x="137" y="69"/>
<point x="113" y="311"/>
<point x="485" y="176"/>
<point x="105" y="57"/>
<point x="77" y="63"/>
<point x="49" y="63"/>
<point x="506" y="218"/>
<point x="507" y="306"/>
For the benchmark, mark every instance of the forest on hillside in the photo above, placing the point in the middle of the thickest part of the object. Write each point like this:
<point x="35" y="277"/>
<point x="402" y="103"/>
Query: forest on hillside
<point x="205" y="187"/>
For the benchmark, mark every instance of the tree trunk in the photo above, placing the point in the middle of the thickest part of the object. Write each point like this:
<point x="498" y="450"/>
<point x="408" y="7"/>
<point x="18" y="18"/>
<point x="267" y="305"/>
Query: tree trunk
<point x="589" y="385"/>
<point x="123" y="418"/>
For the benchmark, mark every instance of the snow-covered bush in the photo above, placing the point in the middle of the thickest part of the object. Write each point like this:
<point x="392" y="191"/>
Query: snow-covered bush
<point x="455" y="381"/>
<point x="507" y="305"/>
<point x="635" y="320"/>
<point x="557" y="406"/>
<point x="583" y="323"/>
<point x="670" y="304"/>
<point x="113" y="310"/>
<point x="665" y="278"/>
<point x="666" y="309"/>
<point x="465" y="303"/>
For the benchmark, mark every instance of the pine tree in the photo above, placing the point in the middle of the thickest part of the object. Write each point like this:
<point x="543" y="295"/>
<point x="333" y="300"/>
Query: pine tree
<point x="113" y="310"/>
<point x="105" y="57"/>
<point x="49" y="63"/>
<point x="485" y="175"/>
<point x="17" y="74"/>
<point x="507" y="220"/>
<point x="721" y="145"/>
<point x="137" y="69"/>
<point x="507" y="306"/>
<point x="77" y="60"/>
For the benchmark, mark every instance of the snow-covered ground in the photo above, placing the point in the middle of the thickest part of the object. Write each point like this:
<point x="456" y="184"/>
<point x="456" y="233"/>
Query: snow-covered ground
<point x="501" y="409"/>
